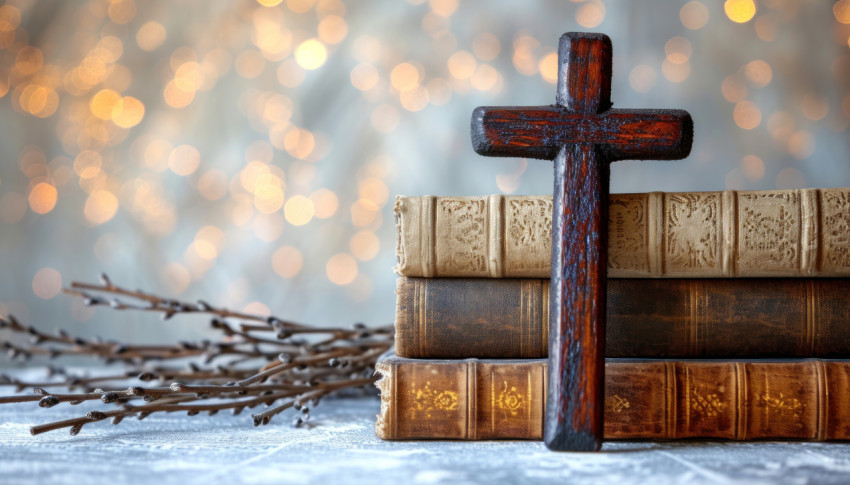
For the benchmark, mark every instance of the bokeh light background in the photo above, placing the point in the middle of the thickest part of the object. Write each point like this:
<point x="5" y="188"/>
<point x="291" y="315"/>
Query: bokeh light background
<point x="248" y="152"/>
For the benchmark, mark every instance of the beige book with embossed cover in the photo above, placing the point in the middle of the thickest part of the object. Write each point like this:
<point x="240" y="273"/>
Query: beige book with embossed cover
<point x="652" y="235"/>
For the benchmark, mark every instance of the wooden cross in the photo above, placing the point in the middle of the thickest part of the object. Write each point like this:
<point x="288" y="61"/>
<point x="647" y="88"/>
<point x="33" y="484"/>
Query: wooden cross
<point x="582" y="134"/>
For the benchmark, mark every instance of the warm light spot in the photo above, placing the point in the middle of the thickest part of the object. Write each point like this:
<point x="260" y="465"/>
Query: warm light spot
<point x="205" y="249"/>
<point x="790" y="178"/>
<point x="290" y="74"/>
<point x="249" y="175"/>
<point x="156" y="155"/>
<point x="759" y="73"/>
<point x="548" y="67"/>
<point x="675" y="73"/>
<point x="678" y="50"/>
<point x="523" y="59"/>
<point x="733" y="88"/>
<point x="443" y="8"/>
<point x="47" y="283"/>
<point x="364" y="245"/>
<point x="213" y="184"/>
<point x="332" y="29"/>
<point x="766" y="28"/>
<point x="128" y="112"/>
<point x="39" y="101"/>
<point x="462" y="65"/>
<point x="363" y="213"/>
<point x="325" y="203"/>
<point x="385" y="118"/>
<point x="801" y="144"/>
<point x="268" y="193"/>
<point x="102" y="103"/>
<point x="590" y="14"/>
<point x="179" y="92"/>
<point x="841" y="9"/>
<point x="508" y="183"/>
<point x="486" y="46"/>
<point x="122" y="11"/>
<point x="300" y="6"/>
<point x="373" y="190"/>
<point x="150" y="36"/>
<point x="439" y="91"/>
<point x="485" y="77"/>
<point x="364" y="76"/>
<point x="269" y="3"/>
<point x="753" y="167"/>
<point x="311" y="54"/>
<point x="415" y="99"/>
<point x="42" y="198"/>
<point x="740" y="11"/>
<point x="87" y="164"/>
<point x="815" y="107"/>
<point x="287" y="261"/>
<point x="257" y="308"/>
<point x="250" y="63"/>
<point x="10" y="18"/>
<point x="184" y="160"/>
<point x="100" y="207"/>
<point x="212" y="235"/>
<point x="28" y="60"/>
<point x="642" y="78"/>
<point x="341" y="269"/>
<point x="176" y="277"/>
<point x="13" y="207"/>
<point x="299" y="143"/>
<point x="694" y="15"/>
<point x="404" y="77"/>
<point x="747" y="115"/>
<point x="298" y="210"/>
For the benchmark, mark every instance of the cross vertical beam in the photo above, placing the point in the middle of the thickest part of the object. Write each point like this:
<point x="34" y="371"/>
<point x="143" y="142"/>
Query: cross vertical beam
<point x="582" y="134"/>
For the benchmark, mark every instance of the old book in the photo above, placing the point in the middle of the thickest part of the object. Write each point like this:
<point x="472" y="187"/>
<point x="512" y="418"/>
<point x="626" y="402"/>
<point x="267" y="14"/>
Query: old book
<point x="716" y="318"/>
<point x="505" y="399"/>
<point x="652" y="235"/>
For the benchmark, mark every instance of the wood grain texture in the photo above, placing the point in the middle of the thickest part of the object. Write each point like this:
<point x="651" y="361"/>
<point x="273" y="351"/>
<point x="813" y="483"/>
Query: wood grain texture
<point x="456" y="318"/>
<point x="730" y="400"/>
<point x="582" y="136"/>
<point x="751" y="234"/>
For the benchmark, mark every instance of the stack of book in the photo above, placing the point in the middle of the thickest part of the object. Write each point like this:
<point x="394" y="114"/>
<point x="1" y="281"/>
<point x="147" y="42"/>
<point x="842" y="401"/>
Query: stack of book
<point x="727" y="316"/>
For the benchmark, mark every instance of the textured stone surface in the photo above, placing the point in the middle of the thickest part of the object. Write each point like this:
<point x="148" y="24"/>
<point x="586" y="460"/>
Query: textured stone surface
<point x="342" y="448"/>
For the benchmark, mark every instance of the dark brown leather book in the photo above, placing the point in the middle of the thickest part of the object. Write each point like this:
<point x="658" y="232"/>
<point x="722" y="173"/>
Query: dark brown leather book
<point x="504" y="399"/>
<point x="449" y="318"/>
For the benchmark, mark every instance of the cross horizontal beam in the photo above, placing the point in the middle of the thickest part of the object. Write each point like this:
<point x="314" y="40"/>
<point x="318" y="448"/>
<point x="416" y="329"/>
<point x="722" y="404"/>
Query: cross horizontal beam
<point x="620" y="134"/>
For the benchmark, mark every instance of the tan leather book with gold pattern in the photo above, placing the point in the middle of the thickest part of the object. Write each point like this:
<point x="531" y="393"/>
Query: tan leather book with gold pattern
<point x="651" y="235"/>
<point x="504" y="399"/>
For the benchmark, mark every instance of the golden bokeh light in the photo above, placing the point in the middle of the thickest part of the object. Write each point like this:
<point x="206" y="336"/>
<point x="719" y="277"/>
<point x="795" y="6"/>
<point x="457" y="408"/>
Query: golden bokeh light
<point x="10" y="18"/>
<point x="734" y="88"/>
<point x="591" y="14"/>
<point x="269" y="3"/>
<point x="184" y="160"/>
<point x="250" y="63"/>
<point x="462" y="65"/>
<point x="759" y="73"/>
<point x="287" y="261"/>
<point x="415" y="99"/>
<point x="298" y="210"/>
<point x="747" y="115"/>
<point x="151" y="36"/>
<point x="42" y="198"/>
<point x="678" y="50"/>
<point x="801" y="144"/>
<point x="548" y="67"/>
<point x="87" y="164"/>
<point x="47" y="283"/>
<point x="694" y="15"/>
<point x="122" y="11"/>
<point x="364" y="245"/>
<point x="128" y="112"/>
<point x="332" y="29"/>
<point x="815" y="107"/>
<point x="300" y="6"/>
<point x="486" y="46"/>
<point x="311" y="54"/>
<point x="443" y="8"/>
<point x="101" y="206"/>
<point x="752" y="167"/>
<point x="28" y="60"/>
<point x="213" y="184"/>
<point x="374" y="190"/>
<point x="268" y="193"/>
<point x="841" y="10"/>
<point x="676" y="73"/>
<point x="642" y="78"/>
<point x="404" y="77"/>
<point x="325" y="203"/>
<point x="766" y="28"/>
<point x="341" y="269"/>
<point x="364" y="76"/>
<point x="524" y="59"/>
<point x="740" y="11"/>
<point x="179" y="92"/>
<point x="176" y="277"/>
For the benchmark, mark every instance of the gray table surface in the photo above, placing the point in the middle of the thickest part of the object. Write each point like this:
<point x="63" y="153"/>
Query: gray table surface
<point x="340" y="447"/>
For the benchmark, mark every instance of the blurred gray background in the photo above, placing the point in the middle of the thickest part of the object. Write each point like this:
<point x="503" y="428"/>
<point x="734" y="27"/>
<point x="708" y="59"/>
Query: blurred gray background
<point x="248" y="152"/>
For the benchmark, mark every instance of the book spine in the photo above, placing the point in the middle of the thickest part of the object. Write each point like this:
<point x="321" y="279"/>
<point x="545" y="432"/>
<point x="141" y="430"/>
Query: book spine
<point x="678" y="318"/>
<point x="476" y="400"/>
<point x="791" y="233"/>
